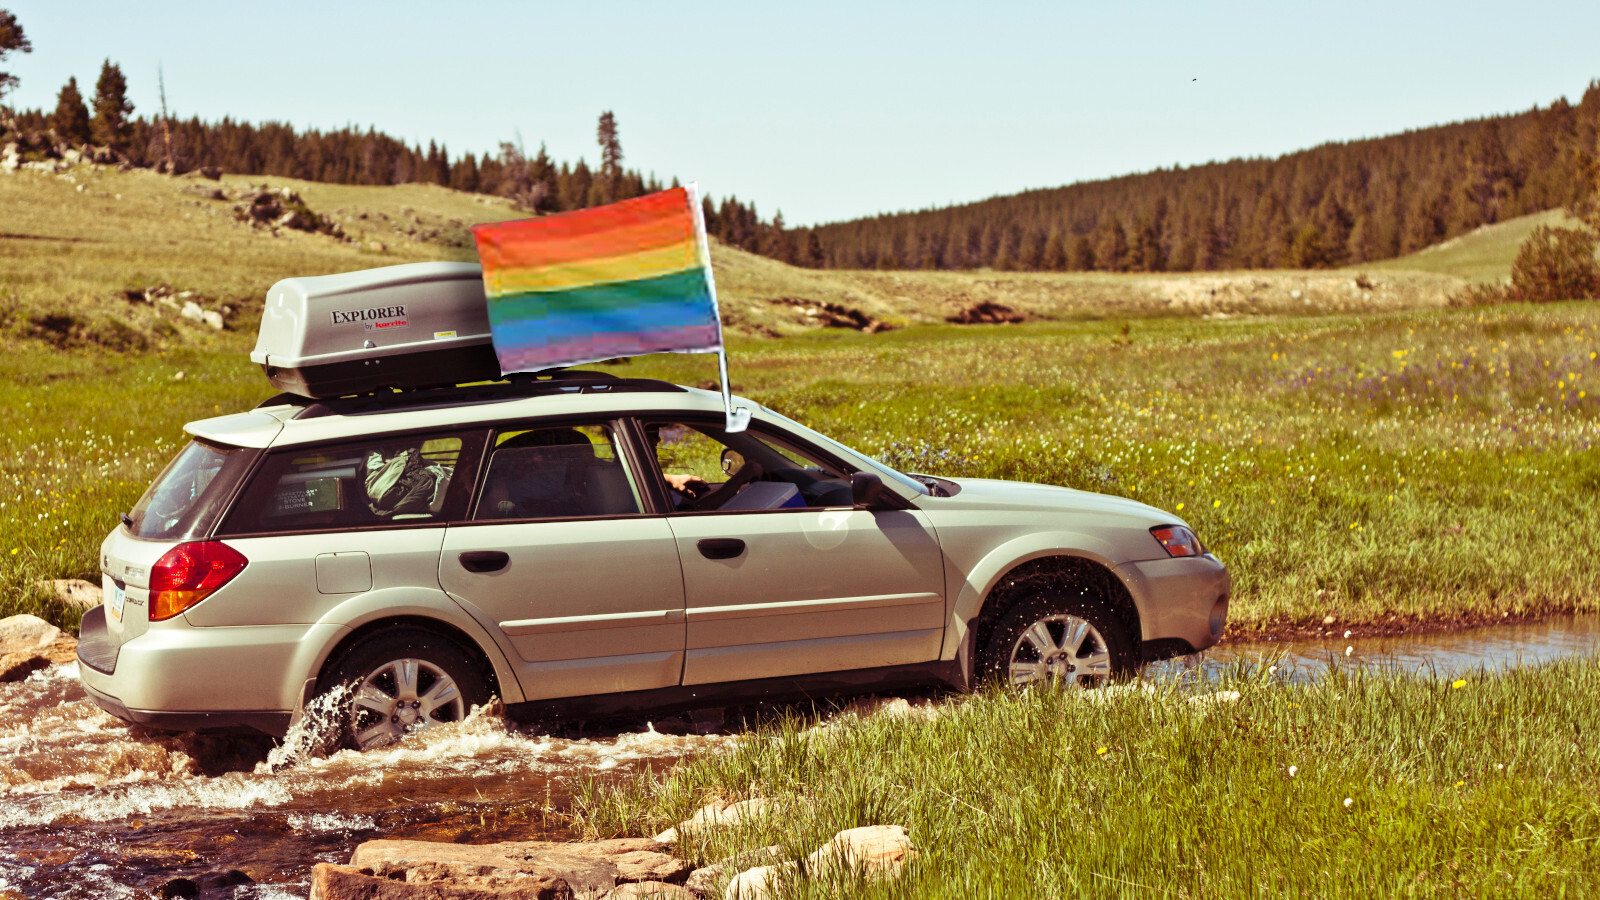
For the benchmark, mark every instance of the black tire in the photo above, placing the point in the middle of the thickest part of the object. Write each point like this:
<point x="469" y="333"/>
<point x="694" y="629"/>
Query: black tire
<point x="373" y="669"/>
<point x="1006" y="645"/>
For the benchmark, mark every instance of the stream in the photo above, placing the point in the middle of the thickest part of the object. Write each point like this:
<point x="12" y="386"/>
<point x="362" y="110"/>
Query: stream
<point x="91" y="807"/>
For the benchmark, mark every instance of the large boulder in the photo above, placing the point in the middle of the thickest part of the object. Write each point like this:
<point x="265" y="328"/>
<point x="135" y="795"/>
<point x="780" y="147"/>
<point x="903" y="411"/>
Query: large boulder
<point x="74" y="592"/>
<point x="330" y="882"/>
<point x="424" y="870"/>
<point x="25" y="633"/>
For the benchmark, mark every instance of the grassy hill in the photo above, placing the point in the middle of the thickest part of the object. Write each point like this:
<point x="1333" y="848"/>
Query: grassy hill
<point x="1484" y="254"/>
<point x="73" y="246"/>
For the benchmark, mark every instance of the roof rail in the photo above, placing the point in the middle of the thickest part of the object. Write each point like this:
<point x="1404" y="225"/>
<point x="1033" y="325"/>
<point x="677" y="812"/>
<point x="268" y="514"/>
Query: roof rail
<point x="552" y="382"/>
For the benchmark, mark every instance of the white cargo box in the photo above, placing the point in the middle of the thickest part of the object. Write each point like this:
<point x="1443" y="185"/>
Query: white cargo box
<point x="411" y="326"/>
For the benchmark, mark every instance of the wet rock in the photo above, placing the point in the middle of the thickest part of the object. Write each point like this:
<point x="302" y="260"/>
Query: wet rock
<point x="74" y="592"/>
<point x="528" y="867"/>
<point x="878" y="850"/>
<point x="18" y="666"/>
<point x="179" y="887"/>
<point x="24" y="633"/>
<point x="720" y="813"/>
<point x="330" y="882"/>
<point x="760" y="883"/>
<point x="651" y="890"/>
<point x="216" y="880"/>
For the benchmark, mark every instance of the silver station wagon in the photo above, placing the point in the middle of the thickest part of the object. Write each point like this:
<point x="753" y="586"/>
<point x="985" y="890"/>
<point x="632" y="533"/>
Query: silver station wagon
<point x="581" y="545"/>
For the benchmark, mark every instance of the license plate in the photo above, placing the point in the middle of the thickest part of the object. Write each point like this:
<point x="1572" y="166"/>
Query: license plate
<point x="118" y="596"/>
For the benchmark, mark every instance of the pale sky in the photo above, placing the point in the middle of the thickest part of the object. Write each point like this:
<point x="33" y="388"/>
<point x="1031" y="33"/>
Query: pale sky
<point x="834" y="110"/>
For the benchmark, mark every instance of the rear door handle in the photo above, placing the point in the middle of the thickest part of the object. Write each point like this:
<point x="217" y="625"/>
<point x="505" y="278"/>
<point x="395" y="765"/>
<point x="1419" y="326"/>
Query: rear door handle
<point x="721" y="548"/>
<point x="484" y="560"/>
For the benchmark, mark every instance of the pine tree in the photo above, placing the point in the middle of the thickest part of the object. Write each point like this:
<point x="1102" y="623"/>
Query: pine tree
<point x="1111" y="250"/>
<point x="11" y="39"/>
<point x="610" y="155"/>
<point x="1055" y="252"/>
<point x="71" y="118"/>
<point x="1082" y="257"/>
<point x="111" y="107"/>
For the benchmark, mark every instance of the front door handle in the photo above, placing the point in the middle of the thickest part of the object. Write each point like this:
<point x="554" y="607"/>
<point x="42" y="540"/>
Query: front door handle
<point x="721" y="548"/>
<point x="484" y="560"/>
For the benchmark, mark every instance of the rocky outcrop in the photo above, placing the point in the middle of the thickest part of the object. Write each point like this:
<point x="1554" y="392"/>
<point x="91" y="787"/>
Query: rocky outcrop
<point x="422" y="870"/>
<point x="29" y="643"/>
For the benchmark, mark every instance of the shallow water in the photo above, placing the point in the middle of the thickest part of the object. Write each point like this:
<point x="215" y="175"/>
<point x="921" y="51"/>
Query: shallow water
<point x="91" y="807"/>
<point x="1491" y="648"/>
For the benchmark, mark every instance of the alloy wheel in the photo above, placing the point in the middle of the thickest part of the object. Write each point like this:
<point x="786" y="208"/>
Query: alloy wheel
<point x="402" y="696"/>
<point x="1061" y="648"/>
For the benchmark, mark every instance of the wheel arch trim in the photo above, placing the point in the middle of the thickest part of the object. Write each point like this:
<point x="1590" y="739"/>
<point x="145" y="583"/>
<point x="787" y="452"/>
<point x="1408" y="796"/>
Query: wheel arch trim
<point x="367" y="613"/>
<point x="982" y="578"/>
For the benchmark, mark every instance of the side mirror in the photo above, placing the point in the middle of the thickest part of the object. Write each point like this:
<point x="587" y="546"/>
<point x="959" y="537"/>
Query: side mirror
<point x="867" y="492"/>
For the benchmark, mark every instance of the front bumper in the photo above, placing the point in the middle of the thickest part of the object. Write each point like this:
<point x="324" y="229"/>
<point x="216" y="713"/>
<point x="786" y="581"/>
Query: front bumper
<point x="181" y="677"/>
<point x="1181" y="601"/>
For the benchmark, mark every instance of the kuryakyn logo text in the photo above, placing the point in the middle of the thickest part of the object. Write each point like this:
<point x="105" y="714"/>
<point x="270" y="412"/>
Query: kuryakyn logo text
<point x="377" y="317"/>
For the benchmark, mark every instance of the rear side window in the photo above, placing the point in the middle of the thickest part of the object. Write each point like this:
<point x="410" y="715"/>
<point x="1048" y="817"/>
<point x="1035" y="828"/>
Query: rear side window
<point x="567" y="472"/>
<point x="361" y="484"/>
<point x="185" y="498"/>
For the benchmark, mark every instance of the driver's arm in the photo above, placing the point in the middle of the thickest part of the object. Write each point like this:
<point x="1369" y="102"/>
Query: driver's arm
<point x="693" y="485"/>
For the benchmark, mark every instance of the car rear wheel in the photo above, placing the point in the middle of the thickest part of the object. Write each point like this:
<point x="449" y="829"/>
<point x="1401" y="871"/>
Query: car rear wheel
<point x="404" y="681"/>
<point x="1051" y="639"/>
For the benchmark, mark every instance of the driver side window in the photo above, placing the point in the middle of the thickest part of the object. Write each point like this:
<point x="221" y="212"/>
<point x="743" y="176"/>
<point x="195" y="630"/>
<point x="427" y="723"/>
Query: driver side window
<point x="707" y="469"/>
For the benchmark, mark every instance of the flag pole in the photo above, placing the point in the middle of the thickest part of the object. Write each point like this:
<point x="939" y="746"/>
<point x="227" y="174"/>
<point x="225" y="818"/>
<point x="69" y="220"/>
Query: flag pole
<point x="736" y="419"/>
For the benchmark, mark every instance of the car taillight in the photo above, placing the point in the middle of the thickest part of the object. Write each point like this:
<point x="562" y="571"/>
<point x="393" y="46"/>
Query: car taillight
<point x="189" y="573"/>
<point x="1178" y="540"/>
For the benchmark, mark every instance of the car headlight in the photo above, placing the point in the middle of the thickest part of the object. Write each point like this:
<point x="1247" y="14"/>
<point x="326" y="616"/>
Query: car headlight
<point x="1178" y="540"/>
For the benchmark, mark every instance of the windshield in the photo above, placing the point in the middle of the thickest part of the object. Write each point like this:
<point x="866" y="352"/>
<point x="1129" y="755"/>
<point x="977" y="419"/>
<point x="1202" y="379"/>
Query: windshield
<point x="894" y="475"/>
<point x="173" y="505"/>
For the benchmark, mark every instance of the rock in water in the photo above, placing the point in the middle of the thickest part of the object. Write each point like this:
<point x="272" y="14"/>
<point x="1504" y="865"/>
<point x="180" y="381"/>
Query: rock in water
<point x="330" y="882"/>
<point x="17" y="666"/>
<point x="392" y="870"/>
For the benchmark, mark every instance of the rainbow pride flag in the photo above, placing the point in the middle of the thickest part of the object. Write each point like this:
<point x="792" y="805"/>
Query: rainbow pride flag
<point x="618" y="280"/>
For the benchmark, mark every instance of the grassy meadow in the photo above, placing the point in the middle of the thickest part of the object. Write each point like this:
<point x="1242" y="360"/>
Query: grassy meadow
<point x="1358" y="784"/>
<point x="1350" y="446"/>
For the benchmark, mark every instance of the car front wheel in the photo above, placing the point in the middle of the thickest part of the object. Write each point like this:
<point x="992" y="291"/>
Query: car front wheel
<point x="1051" y="639"/>
<point x="403" y="681"/>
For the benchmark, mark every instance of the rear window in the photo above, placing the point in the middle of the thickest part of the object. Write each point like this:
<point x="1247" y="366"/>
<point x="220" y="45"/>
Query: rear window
<point x="185" y="498"/>
<point x="361" y="484"/>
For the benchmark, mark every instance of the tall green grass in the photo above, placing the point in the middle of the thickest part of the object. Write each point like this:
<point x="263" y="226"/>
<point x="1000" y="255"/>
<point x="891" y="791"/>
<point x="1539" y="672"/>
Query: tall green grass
<point x="1401" y="787"/>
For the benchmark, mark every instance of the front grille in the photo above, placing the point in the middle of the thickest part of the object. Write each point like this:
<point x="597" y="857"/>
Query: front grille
<point x="95" y="649"/>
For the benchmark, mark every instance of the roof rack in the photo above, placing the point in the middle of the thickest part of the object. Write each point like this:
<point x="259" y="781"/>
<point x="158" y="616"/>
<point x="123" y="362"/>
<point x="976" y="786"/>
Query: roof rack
<point x="550" y="382"/>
